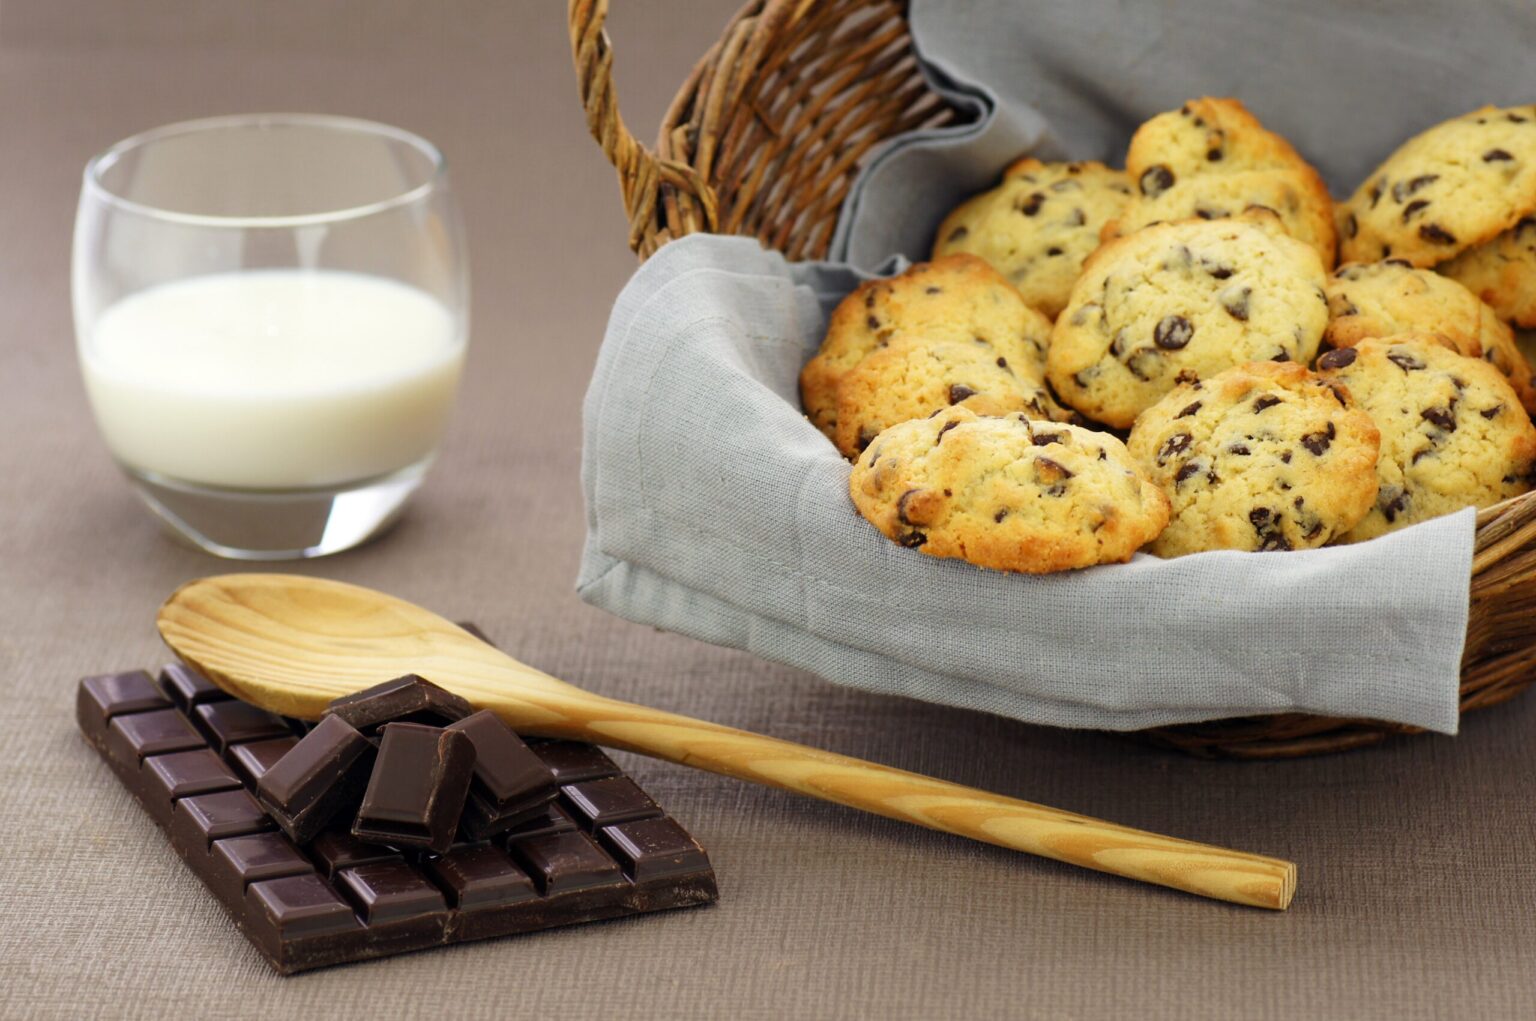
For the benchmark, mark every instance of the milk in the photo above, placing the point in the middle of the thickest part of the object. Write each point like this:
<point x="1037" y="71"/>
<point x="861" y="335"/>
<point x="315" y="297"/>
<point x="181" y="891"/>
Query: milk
<point x="273" y="379"/>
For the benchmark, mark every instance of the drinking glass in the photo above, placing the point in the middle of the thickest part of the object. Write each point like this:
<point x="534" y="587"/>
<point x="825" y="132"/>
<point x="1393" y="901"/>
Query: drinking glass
<point x="271" y="313"/>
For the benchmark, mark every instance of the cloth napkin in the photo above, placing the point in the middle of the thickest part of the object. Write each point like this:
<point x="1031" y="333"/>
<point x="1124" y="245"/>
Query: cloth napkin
<point x="716" y="510"/>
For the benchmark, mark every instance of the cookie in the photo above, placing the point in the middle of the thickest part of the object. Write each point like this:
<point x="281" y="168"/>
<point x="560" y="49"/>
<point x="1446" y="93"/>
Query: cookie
<point x="1212" y="158"/>
<point x="1010" y="493"/>
<point x="1382" y="299"/>
<point x="914" y="377"/>
<point x="1038" y="226"/>
<point x="1502" y="272"/>
<point x="1453" y="187"/>
<point x="1453" y="433"/>
<point x="1265" y="456"/>
<point x="956" y="298"/>
<point x="1183" y="300"/>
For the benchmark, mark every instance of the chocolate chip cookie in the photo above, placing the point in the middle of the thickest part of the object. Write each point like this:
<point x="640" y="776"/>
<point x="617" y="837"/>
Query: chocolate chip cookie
<point x="1009" y="493"/>
<point x="1502" y="272"/>
<point x="1264" y="456"/>
<point x="956" y="298"/>
<point x="1453" y="433"/>
<point x="914" y="377"/>
<point x="1038" y="226"/>
<point x="1383" y="299"/>
<point x="1211" y="158"/>
<point x="1179" y="301"/>
<point x="1453" y="187"/>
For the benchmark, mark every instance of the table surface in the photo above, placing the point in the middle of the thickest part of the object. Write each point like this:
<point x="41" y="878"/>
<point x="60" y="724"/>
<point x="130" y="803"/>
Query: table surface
<point x="1417" y="895"/>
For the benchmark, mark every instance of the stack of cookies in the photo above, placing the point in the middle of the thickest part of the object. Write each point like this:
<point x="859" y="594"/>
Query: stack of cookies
<point x="1097" y="361"/>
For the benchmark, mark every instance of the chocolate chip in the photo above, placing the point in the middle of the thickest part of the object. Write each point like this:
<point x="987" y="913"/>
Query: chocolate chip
<point x="912" y="540"/>
<point x="1493" y="411"/>
<point x="1417" y="205"/>
<point x="1282" y="356"/>
<point x="1053" y="250"/>
<point x="1264" y="402"/>
<point x="958" y="233"/>
<point x="1156" y="180"/>
<point x="1237" y="305"/>
<point x="1376" y="192"/>
<point x="959" y="392"/>
<point x="1000" y="515"/>
<point x="1209" y="214"/>
<point x="1318" y="442"/>
<point x="1052" y="469"/>
<point x="1515" y="118"/>
<point x="940" y="437"/>
<point x="1338" y="358"/>
<point x="1142" y="362"/>
<point x="1406" y="362"/>
<point x="1261" y="517"/>
<point x="872" y="322"/>
<point x="1213" y="155"/>
<point x="866" y="437"/>
<point x="1443" y="418"/>
<point x="1392" y="501"/>
<point x="1102" y="455"/>
<point x="1340" y="307"/>
<point x="1402" y="189"/>
<point x="1240" y="449"/>
<point x="1351" y="225"/>
<point x="1077" y="219"/>
<point x="1002" y="363"/>
<point x="1220" y="272"/>
<point x="1314" y="531"/>
<point x="1397" y="262"/>
<point x="903" y="504"/>
<point x="1285" y="458"/>
<point x="1495" y="155"/>
<point x="1173" y="333"/>
<point x="874" y="455"/>
<point x="1420" y="453"/>
<point x="1174" y="445"/>
<point x="1189" y="410"/>
<point x="1117" y="344"/>
<point x="1190" y="469"/>
<point x="933" y="290"/>
<point x="1045" y="439"/>
<point x="1188" y="377"/>
<point x="1436" y="233"/>
<point x="1338" y="395"/>
<point x="1031" y="204"/>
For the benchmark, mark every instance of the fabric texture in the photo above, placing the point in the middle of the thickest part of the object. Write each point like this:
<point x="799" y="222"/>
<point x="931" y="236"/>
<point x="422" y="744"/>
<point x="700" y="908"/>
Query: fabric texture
<point x="714" y="509"/>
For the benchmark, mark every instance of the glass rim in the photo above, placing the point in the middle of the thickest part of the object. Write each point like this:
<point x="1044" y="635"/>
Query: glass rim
<point x="108" y="157"/>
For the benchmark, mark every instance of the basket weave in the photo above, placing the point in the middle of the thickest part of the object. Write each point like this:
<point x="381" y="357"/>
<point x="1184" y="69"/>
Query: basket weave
<point x="765" y="138"/>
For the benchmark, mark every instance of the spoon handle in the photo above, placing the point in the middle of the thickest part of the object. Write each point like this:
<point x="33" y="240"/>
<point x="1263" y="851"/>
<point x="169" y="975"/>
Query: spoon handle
<point x="1200" y="869"/>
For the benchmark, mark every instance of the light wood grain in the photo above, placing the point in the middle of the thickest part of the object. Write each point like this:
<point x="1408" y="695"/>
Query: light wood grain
<point x="291" y="644"/>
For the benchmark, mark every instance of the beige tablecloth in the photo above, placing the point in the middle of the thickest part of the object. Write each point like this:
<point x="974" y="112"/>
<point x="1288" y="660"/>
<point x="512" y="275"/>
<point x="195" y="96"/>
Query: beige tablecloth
<point x="1418" y="892"/>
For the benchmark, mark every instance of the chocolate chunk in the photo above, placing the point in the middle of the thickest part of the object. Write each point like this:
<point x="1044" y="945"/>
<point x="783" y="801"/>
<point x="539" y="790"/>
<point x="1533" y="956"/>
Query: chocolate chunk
<point x="1404" y="361"/>
<point x="1031" y="204"/>
<point x="1156" y="180"/>
<point x="1417" y="205"/>
<point x="1264" y="402"/>
<point x="1173" y="446"/>
<point x="1240" y="449"/>
<point x="1187" y="470"/>
<point x="1495" y="155"/>
<point x="510" y="782"/>
<point x="1173" y="333"/>
<point x="1043" y="439"/>
<point x="1189" y="410"/>
<point x="1318" y="442"/>
<point x="1285" y="458"/>
<point x="320" y="776"/>
<point x="1237" y="305"/>
<point x="408" y="699"/>
<point x="1441" y="418"/>
<point x="959" y="392"/>
<point x="912" y="540"/>
<point x="417" y="789"/>
<point x="1338" y="358"/>
<point x="1220" y="272"/>
<point x="1436" y="233"/>
<point x="1402" y="189"/>
<point x="1000" y="515"/>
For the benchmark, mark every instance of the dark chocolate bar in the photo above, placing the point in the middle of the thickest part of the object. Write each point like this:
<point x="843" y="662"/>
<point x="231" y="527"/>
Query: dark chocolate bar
<point x="417" y="789"/>
<point x="338" y="898"/>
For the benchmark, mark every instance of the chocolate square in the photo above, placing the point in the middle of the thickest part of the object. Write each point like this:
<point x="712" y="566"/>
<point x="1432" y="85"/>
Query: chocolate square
<point x="103" y="697"/>
<point x="573" y="762"/>
<point x="182" y="775"/>
<point x="565" y="862"/>
<point x="237" y="862"/>
<point x="188" y="688"/>
<point x="228" y="722"/>
<point x="652" y="849"/>
<point x="390" y="891"/>
<point x="133" y="738"/>
<point x="599" y="803"/>
<point x="252" y="760"/>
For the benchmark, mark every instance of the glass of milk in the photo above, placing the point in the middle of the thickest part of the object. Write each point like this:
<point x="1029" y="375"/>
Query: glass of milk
<point x="271" y="313"/>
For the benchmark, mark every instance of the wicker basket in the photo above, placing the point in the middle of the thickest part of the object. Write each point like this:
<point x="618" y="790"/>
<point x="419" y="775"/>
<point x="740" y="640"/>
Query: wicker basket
<point x="765" y="138"/>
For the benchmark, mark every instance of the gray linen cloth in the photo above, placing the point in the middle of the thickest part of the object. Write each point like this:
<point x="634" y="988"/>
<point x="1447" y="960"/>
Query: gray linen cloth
<point x="715" y="509"/>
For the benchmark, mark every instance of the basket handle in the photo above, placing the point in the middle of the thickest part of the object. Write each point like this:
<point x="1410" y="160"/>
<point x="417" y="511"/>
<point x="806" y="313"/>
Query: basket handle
<point x="641" y="171"/>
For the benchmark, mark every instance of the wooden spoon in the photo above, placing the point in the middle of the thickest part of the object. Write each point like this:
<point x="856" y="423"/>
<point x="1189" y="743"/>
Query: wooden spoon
<point x="291" y="644"/>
